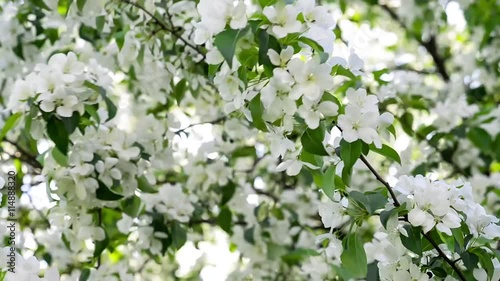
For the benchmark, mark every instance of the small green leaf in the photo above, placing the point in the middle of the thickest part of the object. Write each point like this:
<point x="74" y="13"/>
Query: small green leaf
<point x="386" y="215"/>
<point x="180" y="90"/>
<point x="264" y="3"/>
<point x="41" y="4"/>
<point x="80" y="4"/>
<point x="297" y="255"/>
<point x="84" y="276"/>
<point x="144" y="186"/>
<point x="105" y="194"/>
<point x="99" y="23"/>
<point x="224" y="220"/>
<point x="100" y="246"/>
<point x="131" y="206"/>
<point x="353" y="256"/>
<point x="102" y="92"/>
<point x="179" y="235"/>
<point x="60" y="158"/>
<point x="481" y="139"/>
<point x="312" y="140"/>
<point x="414" y="240"/>
<point x="371" y="201"/>
<point x="406" y="121"/>
<point x="256" y="110"/>
<point x="227" y="192"/>
<point x="9" y="124"/>
<point x="58" y="134"/>
<point x="386" y="151"/>
<point x="328" y="182"/>
<point x="226" y="42"/>
<point x="63" y="7"/>
<point x="71" y="123"/>
<point x="485" y="260"/>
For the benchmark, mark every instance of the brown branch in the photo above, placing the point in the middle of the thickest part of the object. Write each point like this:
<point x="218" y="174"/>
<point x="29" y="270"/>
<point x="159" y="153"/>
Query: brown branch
<point x="218" y="120"/>
<point x="428" y="237"/>
<point x="24" y="155"/>
<point x="430" y="45"/>
<point x="166" y="27"/>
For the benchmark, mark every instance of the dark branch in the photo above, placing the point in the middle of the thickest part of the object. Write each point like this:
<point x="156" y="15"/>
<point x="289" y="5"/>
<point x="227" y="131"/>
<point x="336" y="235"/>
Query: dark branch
<point x="430" y="45"/>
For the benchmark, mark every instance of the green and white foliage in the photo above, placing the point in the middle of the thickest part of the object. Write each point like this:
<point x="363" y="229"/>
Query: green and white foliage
<point x="251" y="139"/>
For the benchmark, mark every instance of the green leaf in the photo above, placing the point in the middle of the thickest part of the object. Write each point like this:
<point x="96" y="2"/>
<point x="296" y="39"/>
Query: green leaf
<point x="9" y="124"/>
<point x="131" y="206"/>
<point x="179" y="235"/>
<point x="414" y="240"/>
<point x="224" y="220"/>
<point x="84" y="276"/>
<point x="105" y="194"/>
<point x="371" y="201"/>
<point x="349" y="153"/>
<point x="144" y="186"/>
<point x="353" y="256"/>
<point x="92" y="111"/>
<point x="496" y="146"/>
<point x="264" y="3"/>
<point x="80" y="4"/>
<point x="99" y="23"/>
<point x="328" y="182"/>
<point x="485" y="260"/>
<point x="60" y="158"/>
<point x="458" y="235"/>
<point x="386" y="215"/>
<point x="109" y="104"/>
<point x="41" y="4"/>
<point x="227" y="192"/>
<point x="100" y="246"/>
<point x="267" y="42"/>
<point x="180" y="90"/>
<point x="297" y="255"/>
<point x="386" y="151"/>
<point x="63" y="7"/>
<point x="312" y="140"/>
<point x="406" y="121"/>
<point x="470" y="260"/>
<point x="481" y="139"/>
<point x="226" y="42"/>
<point x="58" y="134"/>
<point x="71" y="123"/>
<point x="256" y="110"/>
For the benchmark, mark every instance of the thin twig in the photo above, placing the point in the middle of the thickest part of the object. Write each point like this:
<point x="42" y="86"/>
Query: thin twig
<point x="430" y="45"/>
<point x="166" y="27"/>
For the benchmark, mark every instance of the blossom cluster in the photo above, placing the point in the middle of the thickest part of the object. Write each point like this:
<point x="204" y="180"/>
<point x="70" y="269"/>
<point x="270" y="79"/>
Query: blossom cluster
<point x="445" y="206"/>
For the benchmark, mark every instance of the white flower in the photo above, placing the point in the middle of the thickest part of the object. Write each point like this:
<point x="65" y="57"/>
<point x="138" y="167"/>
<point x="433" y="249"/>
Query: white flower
<point x="360" y="98"/>
<point x="63" y="103"/>
<point x="313" y="113"/>
<point x="282" y="58"/>
<point x="22" y="90"/>
<point x="312" y="78"/>
<point x="125" y="223"/>
<point x="107" y="171"/>
<point x="214" y="16"/>
<point x="293" y="166"/>
<point x="359" y="125"/>
<point x="284" y="19"/>
<point x="67" y="65"/>
<point x="333" y="213"/>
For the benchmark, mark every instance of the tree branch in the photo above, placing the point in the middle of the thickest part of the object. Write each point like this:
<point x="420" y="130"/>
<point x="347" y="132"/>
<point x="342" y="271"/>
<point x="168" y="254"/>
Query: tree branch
<point x="428" y="237"/>
<point x="24" y="155"/>
<point x="430" y="45"/>
<point x="164" y="26"/>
